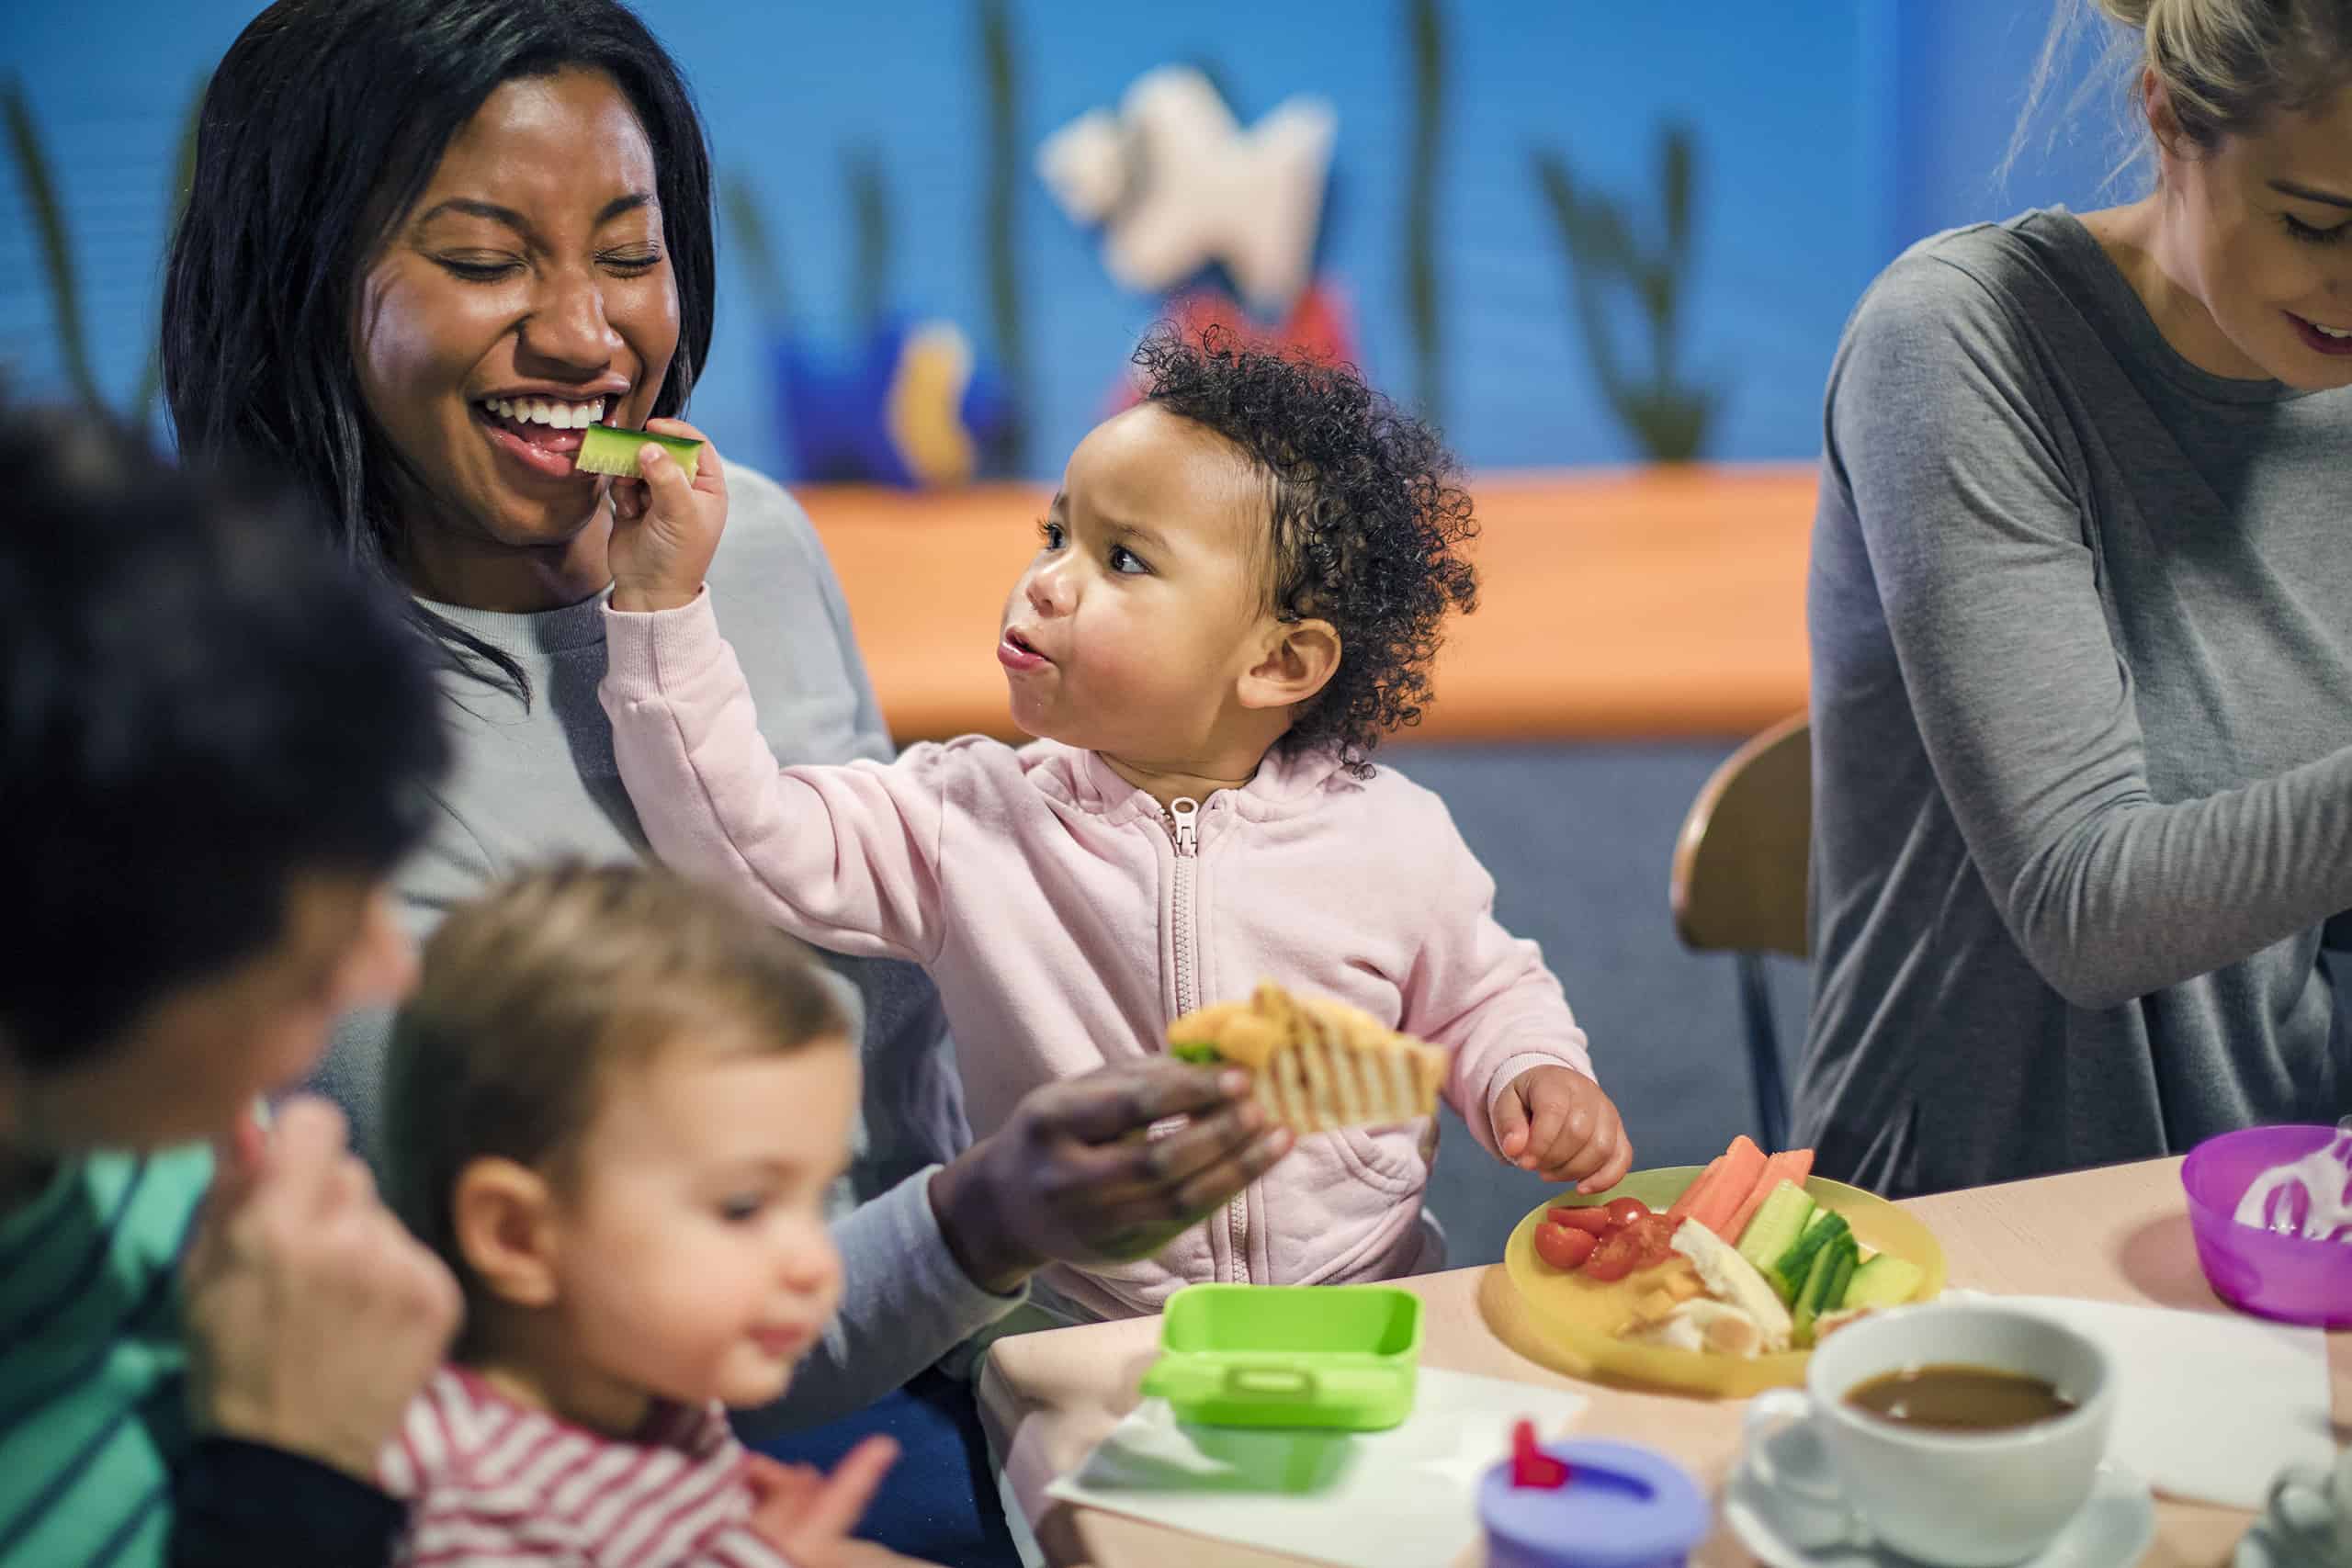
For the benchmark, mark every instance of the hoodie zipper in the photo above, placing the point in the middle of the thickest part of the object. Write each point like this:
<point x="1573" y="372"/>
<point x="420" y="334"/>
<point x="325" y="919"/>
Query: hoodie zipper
<point x="1182" y="816"/>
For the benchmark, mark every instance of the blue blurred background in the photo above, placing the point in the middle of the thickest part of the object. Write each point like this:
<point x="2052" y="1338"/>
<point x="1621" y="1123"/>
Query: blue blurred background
<point x="1828" y="135"/>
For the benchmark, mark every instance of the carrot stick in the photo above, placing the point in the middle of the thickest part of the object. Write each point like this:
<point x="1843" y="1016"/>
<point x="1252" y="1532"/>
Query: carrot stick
<point x="1683" y="1205"/>
<point x="1754" y="1198"/>
<point x="1792" y="1165"/>
<point x="1743" y="1163"/>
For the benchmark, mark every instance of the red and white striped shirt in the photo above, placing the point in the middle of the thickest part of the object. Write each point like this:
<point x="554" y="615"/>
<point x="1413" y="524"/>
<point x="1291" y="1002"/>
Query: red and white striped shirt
<point x="491" y="1483"/>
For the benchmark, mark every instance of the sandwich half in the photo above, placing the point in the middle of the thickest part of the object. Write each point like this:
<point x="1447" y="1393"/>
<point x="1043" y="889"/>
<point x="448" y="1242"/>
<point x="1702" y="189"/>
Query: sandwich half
<point x="1319" y="1064"/>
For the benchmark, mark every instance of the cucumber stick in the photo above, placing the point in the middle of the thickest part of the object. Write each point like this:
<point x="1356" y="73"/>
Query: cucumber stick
<point x="606" y="449"/>
<point x="1850" y="1263"/>
<point x="1778" y="1223"/>
<point x="1796" y="1265"/>
<point x="1825" y="1285"/>
<point x="1884" y="1280"/>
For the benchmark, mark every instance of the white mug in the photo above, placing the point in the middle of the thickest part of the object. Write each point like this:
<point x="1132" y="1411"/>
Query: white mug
<point x="1966" y="1499"/>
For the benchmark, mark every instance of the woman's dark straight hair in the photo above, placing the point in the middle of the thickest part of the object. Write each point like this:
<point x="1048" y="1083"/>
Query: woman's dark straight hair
<point x="319" y="128"/>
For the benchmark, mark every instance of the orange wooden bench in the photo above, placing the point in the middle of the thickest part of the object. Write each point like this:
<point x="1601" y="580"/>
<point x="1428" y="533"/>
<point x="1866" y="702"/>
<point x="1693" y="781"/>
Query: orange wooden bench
<point x="1612" y="605"/>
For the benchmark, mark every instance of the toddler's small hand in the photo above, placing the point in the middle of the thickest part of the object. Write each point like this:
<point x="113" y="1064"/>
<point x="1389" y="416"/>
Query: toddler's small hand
<point x="807" y="1514"/>
<point x="666" y="528"/>
<point x="1557" y="1122"/>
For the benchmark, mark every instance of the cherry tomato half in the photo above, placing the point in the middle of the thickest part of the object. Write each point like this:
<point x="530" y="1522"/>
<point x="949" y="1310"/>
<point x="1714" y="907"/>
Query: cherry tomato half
<point x="1564" y="1246"/>
<point x="1626" y="1210"/>
<point x="1615" y="1258"/>
<point x="1595" y="1221"/>
<point x="1655" y="1234"/>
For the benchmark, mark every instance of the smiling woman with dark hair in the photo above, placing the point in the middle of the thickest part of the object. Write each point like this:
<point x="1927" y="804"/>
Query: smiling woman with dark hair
<point x="307" y="235"/>
<point x="429" y="240"/>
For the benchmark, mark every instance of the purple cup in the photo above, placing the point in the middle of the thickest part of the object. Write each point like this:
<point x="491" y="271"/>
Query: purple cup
<point x="2285" y="1276"/>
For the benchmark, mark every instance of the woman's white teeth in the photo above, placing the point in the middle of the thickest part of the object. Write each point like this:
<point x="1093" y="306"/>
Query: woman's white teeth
<point x="541" y="410"/>
<point x="2332" y="332"/>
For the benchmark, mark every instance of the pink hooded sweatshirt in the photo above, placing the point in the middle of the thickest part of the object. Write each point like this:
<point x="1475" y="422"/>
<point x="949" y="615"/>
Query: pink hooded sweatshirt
<point x="1066" y="919"/>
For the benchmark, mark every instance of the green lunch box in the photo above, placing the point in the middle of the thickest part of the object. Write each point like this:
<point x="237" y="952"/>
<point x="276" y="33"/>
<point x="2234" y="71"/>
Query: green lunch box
<point x="1332" y="1355"/>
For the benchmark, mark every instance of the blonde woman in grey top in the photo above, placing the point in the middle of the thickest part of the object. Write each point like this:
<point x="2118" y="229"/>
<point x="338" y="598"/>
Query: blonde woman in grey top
<point x="2081" y="619"/>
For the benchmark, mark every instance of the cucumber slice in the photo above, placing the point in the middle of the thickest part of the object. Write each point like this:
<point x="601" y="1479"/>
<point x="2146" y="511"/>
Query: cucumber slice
<point x="1884" y="1280"/>
<point x="1778" y="1223"/>
<point x="1806" y="1305"/>
<point x="1796" y="1263"/>
<point x="607" y="449"/>
<point x="1206" y="1055"/>
<point x="1833" y="1266"/>
<point x="1850" y="1263"/>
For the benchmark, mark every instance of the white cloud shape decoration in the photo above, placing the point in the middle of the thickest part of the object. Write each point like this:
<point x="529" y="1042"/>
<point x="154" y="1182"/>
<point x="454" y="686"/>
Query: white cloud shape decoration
<point x="1177" y="184"/>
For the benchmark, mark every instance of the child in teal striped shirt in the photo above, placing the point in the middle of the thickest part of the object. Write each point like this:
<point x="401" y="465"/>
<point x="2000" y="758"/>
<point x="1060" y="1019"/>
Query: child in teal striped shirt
<point x="213" y="746"/>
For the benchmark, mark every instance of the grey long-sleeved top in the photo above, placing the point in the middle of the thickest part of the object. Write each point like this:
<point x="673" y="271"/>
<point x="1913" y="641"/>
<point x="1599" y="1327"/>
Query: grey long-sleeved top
<point x="2081" y="621"/>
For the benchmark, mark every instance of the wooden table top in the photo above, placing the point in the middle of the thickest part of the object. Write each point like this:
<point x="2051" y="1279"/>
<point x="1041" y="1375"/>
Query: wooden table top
<point x="2119" y="1234"/>
<point x="1613" y="603"/>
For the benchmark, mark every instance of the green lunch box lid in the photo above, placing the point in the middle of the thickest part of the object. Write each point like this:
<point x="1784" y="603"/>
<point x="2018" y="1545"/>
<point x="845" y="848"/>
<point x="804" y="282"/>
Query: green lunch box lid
<point x="1329" y="1356"/>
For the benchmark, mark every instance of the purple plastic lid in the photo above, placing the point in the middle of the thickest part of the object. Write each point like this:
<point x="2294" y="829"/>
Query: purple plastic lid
<point x="1623" y="1506"/>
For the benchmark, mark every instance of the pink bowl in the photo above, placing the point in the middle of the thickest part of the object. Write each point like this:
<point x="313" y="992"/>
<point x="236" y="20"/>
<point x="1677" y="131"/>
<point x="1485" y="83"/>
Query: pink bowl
<point x="2274" y="1276"/>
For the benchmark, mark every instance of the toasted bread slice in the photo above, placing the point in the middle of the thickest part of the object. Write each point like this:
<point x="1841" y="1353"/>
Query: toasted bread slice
<point x="1731" y="1279"/>
<point x="1320" y="1064"/>
<point x="1702" y="1325"/>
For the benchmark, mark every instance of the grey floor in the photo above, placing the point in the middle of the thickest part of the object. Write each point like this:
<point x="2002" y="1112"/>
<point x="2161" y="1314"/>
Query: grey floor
<point x="1578" y="839"/>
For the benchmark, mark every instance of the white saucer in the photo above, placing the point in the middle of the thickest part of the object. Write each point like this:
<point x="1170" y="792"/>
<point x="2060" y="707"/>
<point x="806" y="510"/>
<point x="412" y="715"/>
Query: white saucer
<point x="2113" y="1528"/>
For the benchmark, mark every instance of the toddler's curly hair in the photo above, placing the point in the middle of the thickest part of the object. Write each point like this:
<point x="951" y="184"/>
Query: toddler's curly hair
<point x="1369" y="526"/>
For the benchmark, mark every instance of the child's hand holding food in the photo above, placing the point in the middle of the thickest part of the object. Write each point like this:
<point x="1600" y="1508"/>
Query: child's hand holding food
<point x="665" y="525"/>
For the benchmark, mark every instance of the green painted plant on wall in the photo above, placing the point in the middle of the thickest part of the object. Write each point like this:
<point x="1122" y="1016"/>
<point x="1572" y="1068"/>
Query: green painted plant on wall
<point x="1669" y="416"/>
<point x="1425" y="31"/>
<point x="37" y="184"/>
<point x="885" y="393"/>
<point x="747" y="237"/>
<point x="865" y="191"/>
<point x="1007" y="166"/>
<point x="869" y="194"/>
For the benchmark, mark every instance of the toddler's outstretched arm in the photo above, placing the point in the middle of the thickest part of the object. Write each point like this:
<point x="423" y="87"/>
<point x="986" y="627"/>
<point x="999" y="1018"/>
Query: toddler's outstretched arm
<point x="846" y="857"/>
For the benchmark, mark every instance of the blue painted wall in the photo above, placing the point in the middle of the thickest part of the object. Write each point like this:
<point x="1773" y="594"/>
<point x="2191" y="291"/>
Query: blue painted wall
<point x="1830" y="134"/>
<point x="1949" y="85"/>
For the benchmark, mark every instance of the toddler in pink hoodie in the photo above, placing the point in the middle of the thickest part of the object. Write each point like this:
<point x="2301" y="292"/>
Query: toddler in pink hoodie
<point x="1236" y="592"/>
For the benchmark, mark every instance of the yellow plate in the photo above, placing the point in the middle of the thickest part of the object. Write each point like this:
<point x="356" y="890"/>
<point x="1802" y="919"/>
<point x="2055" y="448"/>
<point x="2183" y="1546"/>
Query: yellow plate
<point x="1575" y="1318"/>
